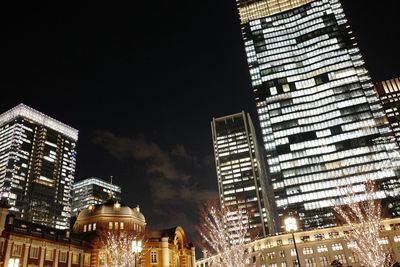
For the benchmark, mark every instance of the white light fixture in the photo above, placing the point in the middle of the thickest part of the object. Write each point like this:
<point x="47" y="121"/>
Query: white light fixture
<point x="290" y="224"/>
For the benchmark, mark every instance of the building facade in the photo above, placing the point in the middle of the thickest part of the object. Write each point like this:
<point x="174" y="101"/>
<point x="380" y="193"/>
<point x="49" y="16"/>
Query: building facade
<point x="389" y="94"/>
<point x="93" y="191"/>
<point x="242" y="181"/>
<point x="315" y="248"/>
<point x="37" y="166"/>
<point x="25" y="244"/>
<point x="321" y="120"/>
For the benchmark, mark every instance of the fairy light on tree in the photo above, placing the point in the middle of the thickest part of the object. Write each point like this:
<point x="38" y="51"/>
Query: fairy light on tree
<point x="120" y="249"/>
<point x="227" y="247"/>
<point x="362" y="212"/>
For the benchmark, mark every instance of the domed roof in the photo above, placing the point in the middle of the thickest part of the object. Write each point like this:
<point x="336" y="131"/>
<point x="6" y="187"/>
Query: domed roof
<point x="111" y="208"/>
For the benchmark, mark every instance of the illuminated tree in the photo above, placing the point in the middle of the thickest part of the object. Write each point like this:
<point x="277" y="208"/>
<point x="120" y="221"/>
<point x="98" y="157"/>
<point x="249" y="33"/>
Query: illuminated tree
<point x="120" y="249"/>
<point x="362" y="212"/>
<point x="224" y="233"/>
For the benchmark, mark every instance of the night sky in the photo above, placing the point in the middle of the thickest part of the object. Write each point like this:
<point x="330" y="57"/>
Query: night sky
<point x="142" y="82"/>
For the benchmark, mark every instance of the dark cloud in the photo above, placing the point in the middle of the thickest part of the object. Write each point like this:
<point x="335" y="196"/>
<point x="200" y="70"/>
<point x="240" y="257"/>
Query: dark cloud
<point x="180" y="152"/>
<point x="182" y="219"/>
<point x="157" y="161"/>
<point x="163" y="190"/>
<point x="168" y="183"/>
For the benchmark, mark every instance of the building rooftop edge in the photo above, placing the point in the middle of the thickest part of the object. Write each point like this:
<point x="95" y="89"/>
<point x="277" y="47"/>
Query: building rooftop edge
<point x="38" y="117"/>
<point x="238" y="114"/>
<point x="100" y="181"/>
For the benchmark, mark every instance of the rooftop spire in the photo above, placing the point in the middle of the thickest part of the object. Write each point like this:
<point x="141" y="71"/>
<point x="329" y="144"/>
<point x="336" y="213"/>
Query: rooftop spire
<point x="110" y="193"/>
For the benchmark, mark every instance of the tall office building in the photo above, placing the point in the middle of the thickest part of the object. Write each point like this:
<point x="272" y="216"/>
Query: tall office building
<point x="93" y="191"/>
<point x="37" y="166"/>
<point x="319" y="114"/>
<point x="389" y="94"/>
<point x="242" y="181"/>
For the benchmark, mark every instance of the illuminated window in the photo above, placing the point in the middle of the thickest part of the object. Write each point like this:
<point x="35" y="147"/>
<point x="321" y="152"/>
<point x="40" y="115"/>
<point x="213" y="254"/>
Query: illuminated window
<point x="13" y="262"/>
<point x="319" y="236"/>
<point x="49" y="254"/>
<point x="323" y="260"/>
<point x="86" y="259"/>
<point x="110" y="225"/>
<point x="307" y="250"/>
<point x="271" y="255"/>
<point x="341" y="258"/>
<point x="17" y="250"/>
<point x="116" y="225"/>
<point x="84" y="228"/>
<point x="94" y="227"/>
<point x="293" y="252"/>
<point x="63" y="256"/>
<point x="282" y="253"/>
<point x="121" y="225"/>
<point x="322" y="248"/>
<point x="75" y="258"/>
<point x="90" y="227"/>
<point x="337" y="246"/>
<point x="153" y="257"/>
<point x="310" y="262"/>
<point x="34" y="253"/>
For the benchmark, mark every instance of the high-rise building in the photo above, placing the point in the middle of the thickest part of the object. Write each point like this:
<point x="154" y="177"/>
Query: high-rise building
<point x="319" y="114"/>
<point x="93" y="191"/>
<point x="242" y="181"/>
<point x="389" y="94"/>
<point x="37" y="166"/>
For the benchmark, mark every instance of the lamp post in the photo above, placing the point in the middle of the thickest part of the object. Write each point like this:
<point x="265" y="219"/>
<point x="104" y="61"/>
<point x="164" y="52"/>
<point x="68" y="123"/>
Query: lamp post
<point x="291" y="226"/>
<point x="136" y="249"/>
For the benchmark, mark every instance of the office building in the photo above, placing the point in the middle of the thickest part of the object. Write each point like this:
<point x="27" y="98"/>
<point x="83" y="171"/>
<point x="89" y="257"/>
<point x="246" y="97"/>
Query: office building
<point x="321" y="120"/>
<point x="389" y="94"/>
<point x="93" y="191"/>
<point x="242" y="181"/>
<point x="37" y="166"/>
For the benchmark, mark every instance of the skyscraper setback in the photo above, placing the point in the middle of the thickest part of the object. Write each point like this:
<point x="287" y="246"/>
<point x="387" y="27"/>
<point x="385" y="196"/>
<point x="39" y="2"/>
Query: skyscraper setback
<point x="241" y="173"/>
<point x="319" y="114"/>
<point x="37" y="166"/>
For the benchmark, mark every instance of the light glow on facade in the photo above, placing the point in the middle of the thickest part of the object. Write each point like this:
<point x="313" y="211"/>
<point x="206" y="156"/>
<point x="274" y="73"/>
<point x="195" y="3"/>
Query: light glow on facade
<point x="93" y="191"/>
<point x="319" y="114"/>
<point x="242" y="181"/>
<point x="37" y="166"/>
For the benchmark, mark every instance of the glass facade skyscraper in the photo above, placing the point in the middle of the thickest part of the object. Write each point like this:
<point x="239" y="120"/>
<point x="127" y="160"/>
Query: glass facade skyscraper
<point x="93" y="191"/>
<point x="242" y="180"/>
<point x="37" y="166"/>
<point x="389" y="94"/>
<point x="321" y="120"/>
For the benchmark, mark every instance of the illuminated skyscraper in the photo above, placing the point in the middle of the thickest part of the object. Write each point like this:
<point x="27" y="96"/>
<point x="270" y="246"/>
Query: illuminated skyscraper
<point x="321" y="120"/>
<point x="37" y="166"/>
<point x="93" y="191"/>
<point x="389" y="94"/>
<point x="242" y="181"/>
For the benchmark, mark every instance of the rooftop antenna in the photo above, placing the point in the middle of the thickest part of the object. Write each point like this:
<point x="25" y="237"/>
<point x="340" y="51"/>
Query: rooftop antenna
<point x="110" y="193"/>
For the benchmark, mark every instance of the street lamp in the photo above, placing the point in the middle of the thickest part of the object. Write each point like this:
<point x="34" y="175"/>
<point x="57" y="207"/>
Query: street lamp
<point x="136" y="249"/>
<point x="291" y="226"/>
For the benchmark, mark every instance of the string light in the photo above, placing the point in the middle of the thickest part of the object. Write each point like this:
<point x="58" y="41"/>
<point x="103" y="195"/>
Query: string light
<point x="363" y="218"/>
<point x="120" y="250"/>
<point x="227" y="247"/>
